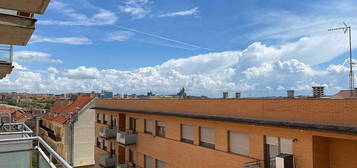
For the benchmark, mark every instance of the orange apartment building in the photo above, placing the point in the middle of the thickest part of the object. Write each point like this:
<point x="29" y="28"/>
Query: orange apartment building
<point x="226" y="133"/>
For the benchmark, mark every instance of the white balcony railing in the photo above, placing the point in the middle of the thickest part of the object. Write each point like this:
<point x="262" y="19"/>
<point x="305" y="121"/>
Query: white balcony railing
<point x="17" y="147"/>
<point x="107" y="132"/>
<point x="106" y="160"/>
<point x="126" y="138"/>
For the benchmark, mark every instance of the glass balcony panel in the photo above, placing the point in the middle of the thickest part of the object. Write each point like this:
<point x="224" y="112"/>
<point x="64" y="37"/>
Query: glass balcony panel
<point x="126" y="138"/>
<point x="107" y="132"/>
<point x="42" y="163"/>
<point x="105" y="160"/>
<point x="6" y="53"/>
<point x="15" y="159"/>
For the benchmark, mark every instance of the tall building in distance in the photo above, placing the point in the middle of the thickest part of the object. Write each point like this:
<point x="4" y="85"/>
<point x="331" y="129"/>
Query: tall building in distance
<point x="230" y="133"/>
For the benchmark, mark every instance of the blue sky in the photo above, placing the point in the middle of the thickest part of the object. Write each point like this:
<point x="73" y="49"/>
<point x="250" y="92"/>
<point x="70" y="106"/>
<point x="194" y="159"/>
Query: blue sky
<point x="133" y="46"/>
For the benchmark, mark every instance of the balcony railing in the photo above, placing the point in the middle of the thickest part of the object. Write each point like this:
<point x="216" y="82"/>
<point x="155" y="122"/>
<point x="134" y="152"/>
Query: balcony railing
<point x="6" y="53"/>
<point x="126" y="138"/>
<point x="105" y="160"/>
<point x="126" y="165"/>
<point x="253" y="164"/>
<point x="107" y="132"/>
<point x="17" y="147"/>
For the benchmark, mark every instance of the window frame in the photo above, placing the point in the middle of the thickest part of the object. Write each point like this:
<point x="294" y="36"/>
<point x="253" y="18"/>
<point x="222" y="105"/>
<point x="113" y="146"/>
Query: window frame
<point x="190" y="141"/>
<point x="145" y="158"/>
<point x="98" y="118"/>
<point x="160" y="130"/>
<point x="206" y="144"/>
<point x="145" y="126"/>
<point x="229" y="143"/>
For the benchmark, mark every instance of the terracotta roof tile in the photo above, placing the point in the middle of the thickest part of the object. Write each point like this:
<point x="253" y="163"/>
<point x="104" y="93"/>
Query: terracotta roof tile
<point x="64" y="108"/>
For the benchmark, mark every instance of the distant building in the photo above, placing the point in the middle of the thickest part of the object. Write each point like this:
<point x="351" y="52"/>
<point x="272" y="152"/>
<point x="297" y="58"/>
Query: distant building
<point x="68" y="130"/>
<point x="13" y="114"/>
<point x="106" y="94"/>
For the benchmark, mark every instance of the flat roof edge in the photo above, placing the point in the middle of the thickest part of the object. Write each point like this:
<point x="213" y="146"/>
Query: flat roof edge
<point x="337" y="128"/>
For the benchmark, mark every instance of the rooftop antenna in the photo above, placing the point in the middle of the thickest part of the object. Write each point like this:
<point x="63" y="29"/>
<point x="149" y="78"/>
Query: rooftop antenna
<point x="351" y="77"/>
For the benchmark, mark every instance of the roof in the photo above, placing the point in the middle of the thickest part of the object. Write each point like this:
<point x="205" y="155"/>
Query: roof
<point x="61" y="110"/>
<point x="345" y="94"/>
<point x="17" y="114"/>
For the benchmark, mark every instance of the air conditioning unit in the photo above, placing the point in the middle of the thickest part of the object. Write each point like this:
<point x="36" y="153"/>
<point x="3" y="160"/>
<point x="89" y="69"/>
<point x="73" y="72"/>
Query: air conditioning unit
<point x="284" y="161"/>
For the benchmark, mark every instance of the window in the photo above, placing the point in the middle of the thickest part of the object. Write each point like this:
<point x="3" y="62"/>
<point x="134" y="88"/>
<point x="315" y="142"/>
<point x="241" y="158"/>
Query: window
<point x="105" y="147"/>
<point x="104" y="119"/>
<point x="98" y="143"/>
<point x="274" y="146"/>
<point x="132" y="124"/>
<point x="148" y="161"/>
<point x="207" y="137"/>
<point x="160" y="128"/>
<point x="187" y="133"/>
<point x="98" y="118"/>
<point x="132" y="156"/>
<point x="112" y="149"/>
<point x="148" y="126"/>
<point x="239" y="143"/>
<point x="113" y="121"/>
<point x="160" y="164"/>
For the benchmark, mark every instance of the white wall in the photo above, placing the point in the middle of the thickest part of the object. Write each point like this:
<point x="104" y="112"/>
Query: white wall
<point x="84" y="138"/>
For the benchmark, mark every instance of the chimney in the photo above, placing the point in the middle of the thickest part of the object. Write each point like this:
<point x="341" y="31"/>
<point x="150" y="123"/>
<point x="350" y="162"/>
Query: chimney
<point x="291" y="93"/>
<point x="225" y="95"/>
<point x="318" y="91"/>
<point x="237" y="95"/>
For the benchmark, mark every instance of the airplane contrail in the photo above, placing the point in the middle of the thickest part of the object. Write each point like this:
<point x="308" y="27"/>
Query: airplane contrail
<point x="161" y="37"/>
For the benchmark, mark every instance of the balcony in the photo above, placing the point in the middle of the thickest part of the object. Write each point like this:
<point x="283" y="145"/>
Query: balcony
<point x="6" y="54"/>
<point x="253" y="164"/>
<point x="126" y="165"/>
<point x="19" y="149"/>
<point x="105" y="160"/>
<point x="15" y="29"/>
<point x="54" y="137"/>
<point x="107" y="132"/>
<point x="126" y="138"/>
<point x="33" y="6"/>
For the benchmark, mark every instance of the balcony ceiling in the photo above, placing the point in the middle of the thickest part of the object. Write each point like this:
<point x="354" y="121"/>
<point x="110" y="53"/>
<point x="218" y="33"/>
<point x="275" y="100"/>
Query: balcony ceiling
<point x="16" y="30"/>
<point x="5" y="68"/>
<point x="32" y="6"/>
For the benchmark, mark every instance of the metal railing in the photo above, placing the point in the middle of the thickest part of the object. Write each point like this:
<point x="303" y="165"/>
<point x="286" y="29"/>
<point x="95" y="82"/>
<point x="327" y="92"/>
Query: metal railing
<point x="6" y="53"/>
<point x="126" y="137"/>
<point x="253" y="164"/>
<point x="52" y="158"/>
<point x="15" y="129"/>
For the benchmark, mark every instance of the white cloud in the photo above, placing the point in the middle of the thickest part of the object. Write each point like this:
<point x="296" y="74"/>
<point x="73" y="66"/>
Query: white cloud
<point x="189" y="12"/>
<point x="82" y="72"/>
<point x="120" y="36"/>
<point x="138" y="9"/>
<point x="101" y="17"/>
<point x="34" y="56"/>
<point x="259" y="68"/>
<point x="62" y="40"/>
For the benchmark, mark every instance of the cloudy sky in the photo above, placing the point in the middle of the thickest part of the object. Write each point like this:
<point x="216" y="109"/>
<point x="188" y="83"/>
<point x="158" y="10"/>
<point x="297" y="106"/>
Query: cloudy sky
<point x="132" y="46"/>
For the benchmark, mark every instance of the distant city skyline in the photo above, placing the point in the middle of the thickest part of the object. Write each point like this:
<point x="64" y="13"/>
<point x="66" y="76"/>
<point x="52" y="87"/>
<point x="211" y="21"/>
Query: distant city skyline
<point x="133" y="46"/>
